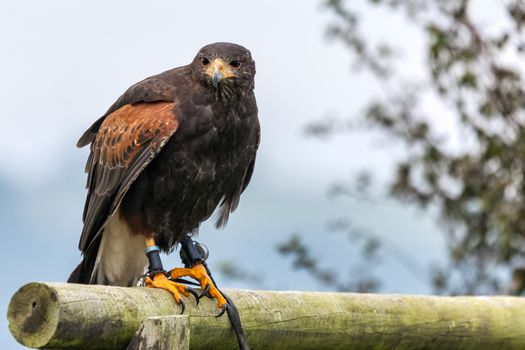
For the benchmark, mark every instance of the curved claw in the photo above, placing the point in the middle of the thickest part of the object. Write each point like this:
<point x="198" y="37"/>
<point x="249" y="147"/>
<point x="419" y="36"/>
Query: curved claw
<point x="185" y="281"/>
<point x="200" y="273"/>
<point x="182" y="306"/>
<point x="223" y="310"/>
<point x="204" y="292"/>
<point x="194" y="293"/>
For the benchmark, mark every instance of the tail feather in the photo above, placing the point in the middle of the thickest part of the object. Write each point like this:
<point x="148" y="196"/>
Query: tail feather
<point x="83" y="273"/>
<point x="116" y="257"/>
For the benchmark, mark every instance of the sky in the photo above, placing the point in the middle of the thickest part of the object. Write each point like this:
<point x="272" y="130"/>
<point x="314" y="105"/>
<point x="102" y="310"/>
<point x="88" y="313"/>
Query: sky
<point x="63" y="65"/>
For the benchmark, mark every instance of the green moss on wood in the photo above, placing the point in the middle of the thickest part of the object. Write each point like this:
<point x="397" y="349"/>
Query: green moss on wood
<point x="96" y="317"/>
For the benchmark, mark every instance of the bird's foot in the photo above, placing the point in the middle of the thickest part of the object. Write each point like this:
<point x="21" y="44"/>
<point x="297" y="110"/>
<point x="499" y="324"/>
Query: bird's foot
<point x="160" y="281"/>
<point x="199" y="273"/>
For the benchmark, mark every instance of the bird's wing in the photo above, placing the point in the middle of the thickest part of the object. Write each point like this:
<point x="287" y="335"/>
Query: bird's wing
<point x="152" y="89"/>
<point x="231" y="200"/>
<point x="126" y="141"/>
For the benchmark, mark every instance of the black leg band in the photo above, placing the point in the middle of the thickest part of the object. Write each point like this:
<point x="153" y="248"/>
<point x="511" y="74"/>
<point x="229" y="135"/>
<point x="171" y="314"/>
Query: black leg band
<point x="155" y="264"/>
<point x="192" y="252"/>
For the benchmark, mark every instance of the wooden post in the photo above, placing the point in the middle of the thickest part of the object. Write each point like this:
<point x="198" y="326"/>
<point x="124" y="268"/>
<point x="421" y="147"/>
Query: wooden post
<point x="162" y="332"/>
<point x="69" y="316"/>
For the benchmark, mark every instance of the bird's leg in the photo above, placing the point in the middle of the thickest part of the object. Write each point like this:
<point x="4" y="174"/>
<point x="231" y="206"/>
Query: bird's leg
<point x="157" y="277"/>
<point x="194" y="257"/>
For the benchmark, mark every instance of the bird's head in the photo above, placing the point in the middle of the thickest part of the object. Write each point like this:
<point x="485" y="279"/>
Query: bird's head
<point x="224" y="66"/>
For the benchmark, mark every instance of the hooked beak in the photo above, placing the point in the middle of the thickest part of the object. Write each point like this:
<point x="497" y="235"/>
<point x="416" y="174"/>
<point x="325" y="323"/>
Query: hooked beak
<point x="219" y="70"/>
<point x="216" y="76"/>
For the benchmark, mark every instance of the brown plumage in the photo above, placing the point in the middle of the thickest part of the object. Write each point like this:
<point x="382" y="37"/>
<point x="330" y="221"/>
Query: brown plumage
<point x="169" y="151"/>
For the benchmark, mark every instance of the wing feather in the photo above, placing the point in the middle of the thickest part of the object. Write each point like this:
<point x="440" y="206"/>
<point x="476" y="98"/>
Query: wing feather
<point x="126" y="142"/>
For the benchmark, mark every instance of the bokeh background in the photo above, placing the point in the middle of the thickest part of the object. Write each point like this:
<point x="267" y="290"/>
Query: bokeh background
<point x="63" y="63"/>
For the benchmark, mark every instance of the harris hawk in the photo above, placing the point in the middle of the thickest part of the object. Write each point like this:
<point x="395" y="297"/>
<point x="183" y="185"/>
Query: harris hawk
<point x="169" y="152"/>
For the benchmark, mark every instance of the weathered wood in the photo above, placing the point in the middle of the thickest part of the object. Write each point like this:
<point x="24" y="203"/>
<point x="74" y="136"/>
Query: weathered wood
<point x="58" y="315"/>
<point x="162" y="332"/>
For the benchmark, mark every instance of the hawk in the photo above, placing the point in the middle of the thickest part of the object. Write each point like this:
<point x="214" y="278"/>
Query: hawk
<point x="169" y="152"/>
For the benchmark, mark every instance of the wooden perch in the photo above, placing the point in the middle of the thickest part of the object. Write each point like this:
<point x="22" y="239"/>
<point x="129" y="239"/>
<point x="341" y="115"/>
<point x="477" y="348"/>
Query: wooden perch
<point x="68" y="316"/>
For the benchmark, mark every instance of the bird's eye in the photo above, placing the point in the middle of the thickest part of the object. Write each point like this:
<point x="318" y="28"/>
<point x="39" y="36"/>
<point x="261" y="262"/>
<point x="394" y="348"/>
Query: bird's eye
<point x="235" y="64"/>
<point x="205" y="61"/>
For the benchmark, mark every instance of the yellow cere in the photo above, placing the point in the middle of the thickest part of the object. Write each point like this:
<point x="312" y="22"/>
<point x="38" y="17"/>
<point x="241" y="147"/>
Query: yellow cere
<point x="222" y="67"/>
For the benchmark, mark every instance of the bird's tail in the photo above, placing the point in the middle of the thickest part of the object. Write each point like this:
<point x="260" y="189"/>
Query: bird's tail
<point x="83" y="273"/>
<point x="79" y="274"/>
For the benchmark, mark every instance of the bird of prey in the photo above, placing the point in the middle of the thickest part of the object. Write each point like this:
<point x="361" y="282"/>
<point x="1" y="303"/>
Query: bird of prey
<point x="169" y="152"/>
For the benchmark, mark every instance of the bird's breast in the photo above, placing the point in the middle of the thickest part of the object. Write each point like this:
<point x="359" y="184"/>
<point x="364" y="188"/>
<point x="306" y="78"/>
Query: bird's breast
<point x="199" y="166"/>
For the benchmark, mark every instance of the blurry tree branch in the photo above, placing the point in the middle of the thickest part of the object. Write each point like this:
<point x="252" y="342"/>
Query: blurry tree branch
<point x="476" y="183"/>
<point x="332" y="277"/>
<point x="233" y="271"/>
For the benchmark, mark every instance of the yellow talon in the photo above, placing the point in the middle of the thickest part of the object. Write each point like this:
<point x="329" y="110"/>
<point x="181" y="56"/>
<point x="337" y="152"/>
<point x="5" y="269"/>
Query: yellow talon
<point x="198" y="272"/>
<point x="162" y="282"/>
